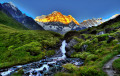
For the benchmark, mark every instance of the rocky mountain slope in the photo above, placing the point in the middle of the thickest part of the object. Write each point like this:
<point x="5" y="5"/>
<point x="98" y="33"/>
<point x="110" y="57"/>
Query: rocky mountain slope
<point x="13" y="11"/>
<point x="95" y="45"/>
<point x="9" y="21"/>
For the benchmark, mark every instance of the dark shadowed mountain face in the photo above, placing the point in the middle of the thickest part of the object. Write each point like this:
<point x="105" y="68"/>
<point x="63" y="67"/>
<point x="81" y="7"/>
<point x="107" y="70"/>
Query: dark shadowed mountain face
<point x="28" y="22"/>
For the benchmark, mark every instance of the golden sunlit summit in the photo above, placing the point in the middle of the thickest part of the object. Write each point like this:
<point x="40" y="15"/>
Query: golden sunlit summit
<point x="56" y="17"/>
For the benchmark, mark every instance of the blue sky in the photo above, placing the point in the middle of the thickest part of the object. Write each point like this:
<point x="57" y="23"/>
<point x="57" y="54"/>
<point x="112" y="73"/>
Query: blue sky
<point x="79" y="9"/>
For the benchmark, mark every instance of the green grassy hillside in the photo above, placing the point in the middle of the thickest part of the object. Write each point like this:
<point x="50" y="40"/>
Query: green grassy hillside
<point x="94" y="49"/>
<point x="23" y="46"/>
<point x="9" y="21"/>
<point x="19" y="46"/>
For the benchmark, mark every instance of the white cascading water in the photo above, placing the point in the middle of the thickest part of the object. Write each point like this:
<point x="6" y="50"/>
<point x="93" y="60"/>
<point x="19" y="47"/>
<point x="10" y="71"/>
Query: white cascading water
<point x="39" y="69"/>
<point x="6" y="73"/>
<point x="62" y="48"/>
<point x="45" y="66"/>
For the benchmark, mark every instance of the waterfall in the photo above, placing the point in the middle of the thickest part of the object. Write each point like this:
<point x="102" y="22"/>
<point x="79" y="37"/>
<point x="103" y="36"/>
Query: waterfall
<point x="62" y="48"/>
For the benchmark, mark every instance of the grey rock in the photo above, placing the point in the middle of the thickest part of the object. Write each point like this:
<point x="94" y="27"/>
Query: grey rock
<point x="118" y="55"/>
<point x="68" y="54"/>
<point x="71" y="44"/>
<point x="69" y="47"/>
<point x="84" y="47"/>
<point x="107" y="67"/>
<point x="100" y="33"/>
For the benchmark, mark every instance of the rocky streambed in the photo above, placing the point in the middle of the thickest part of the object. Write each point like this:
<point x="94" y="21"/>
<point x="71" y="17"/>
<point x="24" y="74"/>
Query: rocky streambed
<point x="45" y="67"/>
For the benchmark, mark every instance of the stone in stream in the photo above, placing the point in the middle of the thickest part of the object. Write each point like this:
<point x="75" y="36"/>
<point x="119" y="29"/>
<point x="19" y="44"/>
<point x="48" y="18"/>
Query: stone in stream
<point x="114" y="72"/>
<point x="2" y="70"/>
<point x="63" y="61"/>
<point x="44" y="69"/>
<point x="41" y="72"/>
<point x="50" y="65"/>
<point x="27" y="74"/>
<point x="34" y="72"/>
<point x="40" y="65"/>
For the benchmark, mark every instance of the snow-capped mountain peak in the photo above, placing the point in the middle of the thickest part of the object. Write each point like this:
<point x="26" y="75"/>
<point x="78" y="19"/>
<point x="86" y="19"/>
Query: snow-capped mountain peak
<point x="114" y="16"/>
<point x="91" y="22"/>
<point x="11" y="5"/>
<point x="56" y="17"/>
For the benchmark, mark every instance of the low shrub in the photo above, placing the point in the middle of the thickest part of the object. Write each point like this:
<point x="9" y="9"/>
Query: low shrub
<point x="116" y="65"/>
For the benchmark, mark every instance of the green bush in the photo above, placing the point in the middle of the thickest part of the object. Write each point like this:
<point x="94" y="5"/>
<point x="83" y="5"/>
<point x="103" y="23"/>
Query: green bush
<point x="70" y="67"/>
<point x="116" y="65"/>
<point x="90" y="71"/>
<point x="85" y="55"/>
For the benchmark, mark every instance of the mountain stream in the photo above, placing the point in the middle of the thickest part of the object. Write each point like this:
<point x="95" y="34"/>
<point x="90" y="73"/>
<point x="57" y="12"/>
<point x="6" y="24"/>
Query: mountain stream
<point x="44" y="67"/>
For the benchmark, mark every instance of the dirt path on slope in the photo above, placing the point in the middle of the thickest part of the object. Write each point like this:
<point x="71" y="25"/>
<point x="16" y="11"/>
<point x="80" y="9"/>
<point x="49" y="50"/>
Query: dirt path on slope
<point x="108" y="67"/>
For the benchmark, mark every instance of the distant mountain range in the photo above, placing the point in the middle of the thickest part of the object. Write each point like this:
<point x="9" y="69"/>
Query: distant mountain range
<point x="13" y="11"/>
<point x="62" y="23"/>
<point x="91" y="22"/>
<point x="54" y="22"/>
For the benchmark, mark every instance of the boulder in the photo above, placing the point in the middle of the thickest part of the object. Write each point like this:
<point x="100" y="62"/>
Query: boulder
<point x="69" y="47"/>
<point x="68" y="54"/>
<point x="108" y="30"/>
<point x="94" y="32"/>
<point x="84" y="47"/>
<point x="100" y="33"/>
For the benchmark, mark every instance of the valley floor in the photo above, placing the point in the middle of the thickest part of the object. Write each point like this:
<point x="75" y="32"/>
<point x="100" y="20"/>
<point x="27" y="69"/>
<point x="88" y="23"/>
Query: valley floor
<point x="95" y="45"/>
